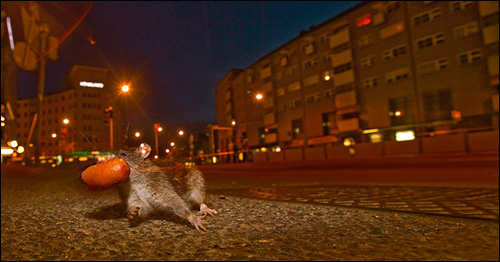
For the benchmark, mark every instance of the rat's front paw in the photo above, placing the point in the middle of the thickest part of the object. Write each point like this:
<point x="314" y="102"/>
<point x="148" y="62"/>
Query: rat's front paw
<point x="197" y="222"/>
<point x="204" y="211"/>
<point x="134" y="212"/>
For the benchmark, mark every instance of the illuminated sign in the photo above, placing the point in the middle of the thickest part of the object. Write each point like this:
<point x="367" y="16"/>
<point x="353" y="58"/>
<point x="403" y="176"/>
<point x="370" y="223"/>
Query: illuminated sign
<point x="405" y="135"/>
<point x="91" y="84"/>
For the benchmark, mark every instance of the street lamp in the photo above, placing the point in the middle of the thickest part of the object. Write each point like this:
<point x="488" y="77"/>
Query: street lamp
<point x="137" y="134"/>
<point x="125" y="88"/>
<point x="181" y="132"/>
<point x="259" y="96"/>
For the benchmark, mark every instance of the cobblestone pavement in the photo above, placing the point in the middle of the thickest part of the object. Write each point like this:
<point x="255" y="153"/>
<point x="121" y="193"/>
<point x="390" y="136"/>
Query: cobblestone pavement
<point x="479" y="203"/>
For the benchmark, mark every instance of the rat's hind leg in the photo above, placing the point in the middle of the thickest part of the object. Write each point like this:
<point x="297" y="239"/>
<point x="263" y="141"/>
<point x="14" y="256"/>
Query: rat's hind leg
<point x="196" y="196"/>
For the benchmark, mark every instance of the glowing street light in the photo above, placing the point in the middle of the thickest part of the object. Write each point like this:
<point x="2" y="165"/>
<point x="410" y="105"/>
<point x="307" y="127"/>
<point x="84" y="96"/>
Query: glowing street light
<point x="137" y="134"/>
<point x="172" y="144"/>
<point x="125" y="88"/>
<point x="160" y="129"/>
<point x="181" y="133"/>
<point x="54" y="135"/>
<point x="259" y="96"/>
<point x="65" y="121"/>
<point x="397" y="113"/>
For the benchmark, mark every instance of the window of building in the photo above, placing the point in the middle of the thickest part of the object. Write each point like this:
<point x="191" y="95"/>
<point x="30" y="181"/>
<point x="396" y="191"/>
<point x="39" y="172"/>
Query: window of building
<point x="430" y="40"/>
<point x="310" y="63"/>
<point x="460" y="5"/>
<point x="329" y="123"/>
<point x="342" y="68"/>
<point x="284" y="61"/>
<point x="396" y="75"/>
<point x="393" y="52"/>
<point x="401" y="110"/>
<point x="324" y="39"/>
<point x="308" y="49"/>
<point x="392" y="30"/>
<point x="329" y="94"/>
<point x="308" y="81"/>
<point x="281" y="107"/>
<point x="313" y="98"/>
<point x="364" y="41"/>
<point x="340" y="48"/>
<point x="364" y="20"/>
<point x="370" y="82"/>
<point x="392" y="7"/>
<point x="295" y="103"/>
<point x="367" y="61"/>
<point x="293" y="87"/>
<point x="280" y="91"/>
<point x="296" y="127"/>
<point x="465" y="30"/>
<point x="469" y="57"/>
<point x="491" y="20"/>
<point x="326" y="56"/>
<point x="427" y="16"/>
<point x="437" y="104"/>
<point x="432" y="66"/>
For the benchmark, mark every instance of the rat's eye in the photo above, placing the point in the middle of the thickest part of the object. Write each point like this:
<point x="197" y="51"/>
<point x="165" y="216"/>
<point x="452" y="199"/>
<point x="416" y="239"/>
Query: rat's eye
<point x="121" y="154"/>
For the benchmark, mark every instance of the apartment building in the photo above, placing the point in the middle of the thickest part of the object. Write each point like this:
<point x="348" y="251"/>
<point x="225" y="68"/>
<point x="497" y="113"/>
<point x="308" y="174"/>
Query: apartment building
<point x="380" y="71"/>
<point x="83" y="103"/>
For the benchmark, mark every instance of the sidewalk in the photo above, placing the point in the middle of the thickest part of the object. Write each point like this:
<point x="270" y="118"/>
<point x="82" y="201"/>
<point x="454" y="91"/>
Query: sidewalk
<point x="59" y="219"/>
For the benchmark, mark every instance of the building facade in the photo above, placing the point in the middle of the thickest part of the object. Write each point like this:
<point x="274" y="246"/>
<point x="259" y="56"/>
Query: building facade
<point x="380" y="71"/>
<point x="83" y="103"/>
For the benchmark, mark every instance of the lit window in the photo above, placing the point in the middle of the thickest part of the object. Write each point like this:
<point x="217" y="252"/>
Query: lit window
<point x="465" y="30"/>
<point x="364" y="20"/>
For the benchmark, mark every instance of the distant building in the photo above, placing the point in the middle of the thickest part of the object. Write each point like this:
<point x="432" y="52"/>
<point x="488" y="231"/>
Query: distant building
<point x="83" y="103"/>
<point x="380" y="71"/>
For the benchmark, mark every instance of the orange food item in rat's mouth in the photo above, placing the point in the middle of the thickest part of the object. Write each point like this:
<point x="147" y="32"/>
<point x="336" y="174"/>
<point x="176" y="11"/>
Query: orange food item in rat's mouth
<point x="106" y="174"/>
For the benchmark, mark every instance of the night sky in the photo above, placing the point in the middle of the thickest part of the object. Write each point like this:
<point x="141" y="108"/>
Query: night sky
<point x="173" y="53"/>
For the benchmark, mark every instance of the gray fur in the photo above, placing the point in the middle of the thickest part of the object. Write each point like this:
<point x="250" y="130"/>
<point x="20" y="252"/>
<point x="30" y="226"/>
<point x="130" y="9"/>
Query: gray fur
<point x="151" y="189"/>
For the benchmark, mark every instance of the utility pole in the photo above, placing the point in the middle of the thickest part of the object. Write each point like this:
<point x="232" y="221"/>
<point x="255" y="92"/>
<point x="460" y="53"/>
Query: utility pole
<point x="32" y="55"/>
<point x="44" y="32"/>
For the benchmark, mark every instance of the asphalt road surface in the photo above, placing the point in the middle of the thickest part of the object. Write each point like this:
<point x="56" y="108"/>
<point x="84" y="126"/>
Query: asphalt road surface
<point x="293" y="214"/>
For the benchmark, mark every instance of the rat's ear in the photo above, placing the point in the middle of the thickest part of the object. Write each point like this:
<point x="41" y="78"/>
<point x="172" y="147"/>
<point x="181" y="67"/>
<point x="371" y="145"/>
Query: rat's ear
<point x="144" y="150"/>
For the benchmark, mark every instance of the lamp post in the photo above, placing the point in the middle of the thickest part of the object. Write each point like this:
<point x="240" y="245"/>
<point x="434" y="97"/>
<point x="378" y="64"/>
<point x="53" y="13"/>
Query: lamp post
<point x="64" y="132"/>
<point x="157" y="129"/>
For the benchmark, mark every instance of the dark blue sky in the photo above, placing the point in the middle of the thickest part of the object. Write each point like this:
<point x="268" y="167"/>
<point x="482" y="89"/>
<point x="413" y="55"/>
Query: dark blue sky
<point x="174" y="53"/>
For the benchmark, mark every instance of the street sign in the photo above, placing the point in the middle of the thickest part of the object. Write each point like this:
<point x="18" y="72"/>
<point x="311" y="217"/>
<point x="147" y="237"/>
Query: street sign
<point x="24" y="56"/>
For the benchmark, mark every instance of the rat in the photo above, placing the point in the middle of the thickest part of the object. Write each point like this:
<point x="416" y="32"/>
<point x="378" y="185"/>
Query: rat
<point x="151" y="189"/>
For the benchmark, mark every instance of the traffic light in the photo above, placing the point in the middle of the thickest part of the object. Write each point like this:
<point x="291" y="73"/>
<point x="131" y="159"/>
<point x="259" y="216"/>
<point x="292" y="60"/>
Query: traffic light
<point x="156" y="127"/>
<point x="108" y="114"/>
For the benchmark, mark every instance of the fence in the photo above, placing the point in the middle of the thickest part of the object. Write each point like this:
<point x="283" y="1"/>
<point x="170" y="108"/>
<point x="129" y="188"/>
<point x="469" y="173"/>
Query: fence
<point x="464" y="142"/>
